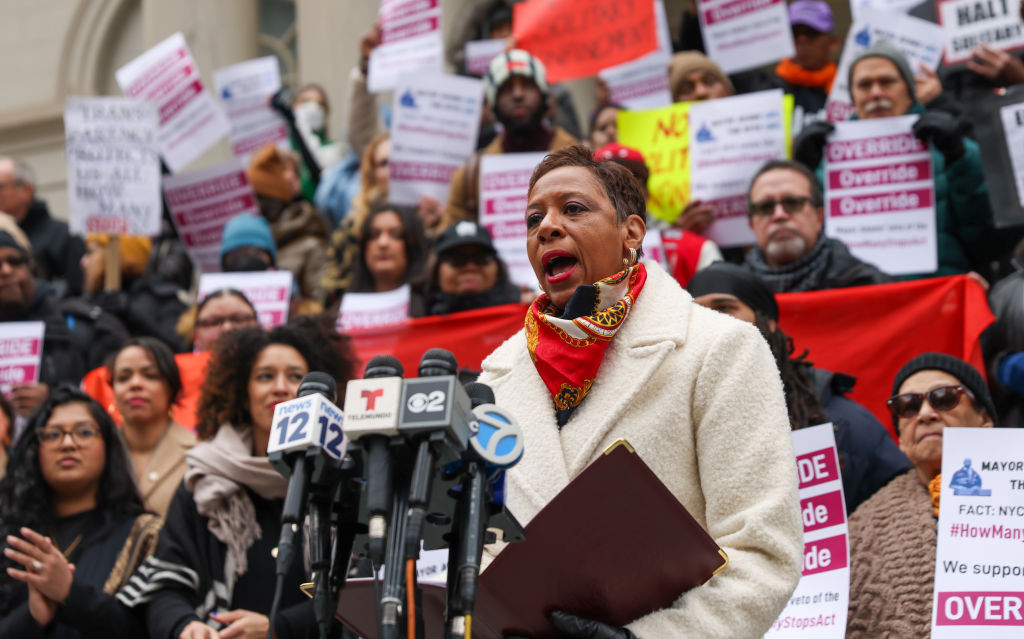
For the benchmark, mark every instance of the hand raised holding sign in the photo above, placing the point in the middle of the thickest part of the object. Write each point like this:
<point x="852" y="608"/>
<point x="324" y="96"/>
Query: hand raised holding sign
<point x="998" y="66"/>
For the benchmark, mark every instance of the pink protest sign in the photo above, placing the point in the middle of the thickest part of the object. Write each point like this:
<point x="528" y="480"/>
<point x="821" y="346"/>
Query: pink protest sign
<point x="21" y="351"/>
<point x="190" y="120"/>
<point x="245" y="90"/>
<point x="269" y="291"/>
<point x="504" y="180"/>
<point x="201" y="203"/>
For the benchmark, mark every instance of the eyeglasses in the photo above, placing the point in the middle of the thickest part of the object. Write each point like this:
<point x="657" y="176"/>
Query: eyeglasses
<point x="942" y="398"/>
<point x="791" y="205"/>
<point x="81" y="435"/>
<point x="13" y="261"/>
<point x="458" y="260"/>
<point x="237" y="319"/>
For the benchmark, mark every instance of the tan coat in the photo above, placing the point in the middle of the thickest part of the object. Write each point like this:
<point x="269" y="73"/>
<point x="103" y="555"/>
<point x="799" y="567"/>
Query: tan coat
<point x="166" y="469"/>
<point x="464" y="196"/>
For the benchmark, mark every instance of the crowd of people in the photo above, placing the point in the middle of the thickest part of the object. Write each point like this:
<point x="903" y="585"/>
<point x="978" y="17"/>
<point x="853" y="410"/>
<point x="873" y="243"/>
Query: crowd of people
<point x="146" y="501"/>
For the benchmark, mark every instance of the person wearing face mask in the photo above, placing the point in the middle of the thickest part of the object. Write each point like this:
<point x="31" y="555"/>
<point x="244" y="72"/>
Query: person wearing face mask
<point x="312" y="111"/>
<point x="882" y="85"/>
<point x="517" y="89"/>
<point x="467" y="272"/>
<point x="300" y="230"/>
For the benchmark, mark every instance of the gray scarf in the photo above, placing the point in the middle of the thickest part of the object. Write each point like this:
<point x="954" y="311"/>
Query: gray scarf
<point x="805" y="274"/>
<point x="217" y="472"/>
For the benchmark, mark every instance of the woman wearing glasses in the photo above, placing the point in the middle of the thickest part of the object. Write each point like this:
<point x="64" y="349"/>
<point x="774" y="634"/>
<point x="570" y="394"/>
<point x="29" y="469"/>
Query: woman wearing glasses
<point x="220" y="311"/>
<point x="73" y="525"/>
<point x="893" y="534"/>
<point x="467" y="273"/>
<point x="146" y="384"/>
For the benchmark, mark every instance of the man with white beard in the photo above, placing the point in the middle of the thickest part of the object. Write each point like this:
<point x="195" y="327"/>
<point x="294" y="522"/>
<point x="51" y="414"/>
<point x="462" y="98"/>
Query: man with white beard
<point x="785" y="211"/>
<point x="882" y="85"/>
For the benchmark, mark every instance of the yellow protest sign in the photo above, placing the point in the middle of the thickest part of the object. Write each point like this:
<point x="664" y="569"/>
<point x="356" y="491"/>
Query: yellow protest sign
<point x="663" y="136"/>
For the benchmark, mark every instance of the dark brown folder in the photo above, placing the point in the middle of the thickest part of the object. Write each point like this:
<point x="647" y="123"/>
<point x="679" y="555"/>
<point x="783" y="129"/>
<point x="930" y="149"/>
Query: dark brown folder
<point x="614" y="545"/>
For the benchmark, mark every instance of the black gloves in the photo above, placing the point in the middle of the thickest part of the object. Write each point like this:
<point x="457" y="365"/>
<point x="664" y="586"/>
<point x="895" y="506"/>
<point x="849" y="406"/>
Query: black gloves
<point x="942" y="130"/>
<point x="810" y="144"/>
<point x="580" y="628"/>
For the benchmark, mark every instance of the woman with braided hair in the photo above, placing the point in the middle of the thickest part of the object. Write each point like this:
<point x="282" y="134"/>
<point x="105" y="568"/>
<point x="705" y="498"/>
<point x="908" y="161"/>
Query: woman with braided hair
<point x="868" y="456"/>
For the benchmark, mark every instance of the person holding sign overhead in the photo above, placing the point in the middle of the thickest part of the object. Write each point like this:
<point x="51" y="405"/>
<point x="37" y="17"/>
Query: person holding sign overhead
<point x="213" y="566"/>
<point x="614" y="349"/>
<point x="882" y="85"/>
<point x="893" y="534"/>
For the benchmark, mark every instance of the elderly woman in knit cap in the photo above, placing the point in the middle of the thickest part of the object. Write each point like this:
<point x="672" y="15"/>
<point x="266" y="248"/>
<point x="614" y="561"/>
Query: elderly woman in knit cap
<point x="145" y="303"/>
<point x="692" y="76"/>
<point x="893" y="534"/>
<point x="300" y="230"/>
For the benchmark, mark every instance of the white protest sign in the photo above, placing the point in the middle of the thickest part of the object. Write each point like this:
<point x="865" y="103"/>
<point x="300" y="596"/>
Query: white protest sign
<point x="730" y="139"/>
<point x="479" y="54"/>
<point x="245" y="90"/>
<point x="21" y="352"/>
<point x="654" y="247"/>
<point x="819" y="604"/>
<point x="269" y="291"/>
<point x="969" y="23"/>
<point x="201" y="203"/>
<point x="888" y="6"/>
<point x="744" y="34"/>
<point x="410" y="42"/>
<point x="434" y="126"/>
<point x="369" y="310"/>
<point x="113" y="166"/>
<point x="643" y="83"/>
<point x="1013" y="125"/>
<point x="880" y="195"/>
<point x="979" y="563"/>
<point x="190" y="120"/>
<point x="919" y="40"/>
<point x="504" y="180"/>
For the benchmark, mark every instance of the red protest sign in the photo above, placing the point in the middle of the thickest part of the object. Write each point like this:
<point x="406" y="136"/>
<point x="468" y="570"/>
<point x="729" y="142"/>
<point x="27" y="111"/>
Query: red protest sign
<point x="575" y="42"/>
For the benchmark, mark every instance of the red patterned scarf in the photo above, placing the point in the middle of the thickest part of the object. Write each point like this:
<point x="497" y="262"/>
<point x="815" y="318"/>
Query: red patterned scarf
<point x="567" y="347"/>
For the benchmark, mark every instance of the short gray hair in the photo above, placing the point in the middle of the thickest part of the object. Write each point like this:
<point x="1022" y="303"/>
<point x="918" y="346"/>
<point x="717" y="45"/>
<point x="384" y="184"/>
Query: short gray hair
<point x="23" y="173"/>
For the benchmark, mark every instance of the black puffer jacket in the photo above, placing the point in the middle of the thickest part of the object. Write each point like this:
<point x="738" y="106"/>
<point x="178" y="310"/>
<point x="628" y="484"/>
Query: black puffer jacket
<point x="57" y="253"/>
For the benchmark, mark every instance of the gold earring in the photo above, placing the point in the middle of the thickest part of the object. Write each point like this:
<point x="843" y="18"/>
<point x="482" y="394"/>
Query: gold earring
<point x="632" y="256"/>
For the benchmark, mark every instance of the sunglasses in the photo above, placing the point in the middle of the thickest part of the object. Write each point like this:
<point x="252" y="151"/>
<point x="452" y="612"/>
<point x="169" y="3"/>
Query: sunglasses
<point x="942" y="398"/>
<point x="791" y="205"/>
<point x="458" y="260"/>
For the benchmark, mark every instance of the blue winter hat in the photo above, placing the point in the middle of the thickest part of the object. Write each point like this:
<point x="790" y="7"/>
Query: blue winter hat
<point x="247" y="229"/>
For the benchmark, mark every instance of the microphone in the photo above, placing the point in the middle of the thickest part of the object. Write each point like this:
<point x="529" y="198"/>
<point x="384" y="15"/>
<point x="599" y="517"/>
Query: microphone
<point x="297" y="438"/>
<point x="496" y="446"/>
<point x="371" y="418"/>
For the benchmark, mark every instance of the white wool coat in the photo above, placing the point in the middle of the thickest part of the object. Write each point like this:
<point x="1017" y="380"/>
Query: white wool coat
<point x="698" y="395"/>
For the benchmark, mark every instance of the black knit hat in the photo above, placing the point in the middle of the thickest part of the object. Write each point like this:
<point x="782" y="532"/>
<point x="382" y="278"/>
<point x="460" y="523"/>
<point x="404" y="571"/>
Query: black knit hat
<point x="723" y="277"/>
<point x="958" y="368"/>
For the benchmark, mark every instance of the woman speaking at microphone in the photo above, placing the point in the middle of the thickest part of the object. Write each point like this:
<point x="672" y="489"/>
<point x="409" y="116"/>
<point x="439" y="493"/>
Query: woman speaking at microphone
<point x="212" y="575"/>
<point x="615" y="349"/>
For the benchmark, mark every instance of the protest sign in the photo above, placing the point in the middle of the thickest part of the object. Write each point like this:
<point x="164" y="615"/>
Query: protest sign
<point x="479" y="54"/>
<point x="113" y="166"/>
<point x="663" y="136"/>
<point x="190" y="120"/>
<point x="880" y="195"/>
<point x="920" y="41"/>
<point x="245" y="90"/>
<point x="979" y="566"/>
<point x="1012" y="118"/>
<point x="269" y="291"/>
<point x="969" y="23"/>
<point x="730" y="138"/>
<point x="434" y="126"/>
<point x="817" y="608"/>
<point x="21" y="351"/>
<point x="201" y="203"/>
<point x="504" y="180"/>
<point x="574" y="43"/>
<point x="643" y="83"/>
<point x="889" y="6"/>
<point x="744" y="34"/>
<point x="410" y="42"/>
<point x="370" y="310"/>
<point x="654" y="248"/>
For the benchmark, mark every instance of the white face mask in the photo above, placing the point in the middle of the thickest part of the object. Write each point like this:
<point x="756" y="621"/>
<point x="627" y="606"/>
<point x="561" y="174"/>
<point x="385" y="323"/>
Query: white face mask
<point x="311" y="114"/>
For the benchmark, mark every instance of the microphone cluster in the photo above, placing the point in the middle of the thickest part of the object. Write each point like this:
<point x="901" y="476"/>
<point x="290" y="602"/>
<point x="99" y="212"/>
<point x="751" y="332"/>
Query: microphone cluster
<point x="410" y="463"/>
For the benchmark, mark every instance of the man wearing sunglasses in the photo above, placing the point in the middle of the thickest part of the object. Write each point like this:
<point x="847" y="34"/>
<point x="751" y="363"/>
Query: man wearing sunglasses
<point x="784" y="209"/>
<point x="893" y="534"/>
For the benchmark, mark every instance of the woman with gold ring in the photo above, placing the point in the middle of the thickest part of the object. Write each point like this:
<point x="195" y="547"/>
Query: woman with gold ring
<point x="615" y="349"/>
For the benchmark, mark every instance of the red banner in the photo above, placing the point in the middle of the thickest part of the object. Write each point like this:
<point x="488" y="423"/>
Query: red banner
<point x="868" y="332"/>
<point x="576" y="42"/>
